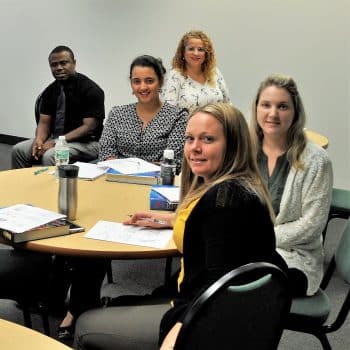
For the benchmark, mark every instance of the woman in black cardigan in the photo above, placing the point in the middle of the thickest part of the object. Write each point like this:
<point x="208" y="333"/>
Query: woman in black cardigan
<point x="224" y="221"/>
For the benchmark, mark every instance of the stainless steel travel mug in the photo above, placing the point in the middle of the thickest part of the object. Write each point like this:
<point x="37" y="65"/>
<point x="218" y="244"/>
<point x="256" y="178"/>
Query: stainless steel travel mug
<point x="67" y="191"/>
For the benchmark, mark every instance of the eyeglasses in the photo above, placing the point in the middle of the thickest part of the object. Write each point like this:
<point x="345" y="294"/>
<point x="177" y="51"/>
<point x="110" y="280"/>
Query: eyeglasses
<point x="193" y="49"/>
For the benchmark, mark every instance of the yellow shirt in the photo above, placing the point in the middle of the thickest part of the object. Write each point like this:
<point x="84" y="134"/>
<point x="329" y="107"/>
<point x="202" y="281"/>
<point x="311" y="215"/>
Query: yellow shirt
<point x="178" y="233"/>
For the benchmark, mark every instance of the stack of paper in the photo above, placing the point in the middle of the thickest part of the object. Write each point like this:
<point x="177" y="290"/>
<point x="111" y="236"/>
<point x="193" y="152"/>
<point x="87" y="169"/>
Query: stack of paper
<point x="171" y="193"/>
<point x="22" y="223"/>
<point x="131" y="170"/>
<point x="22" y="217"/>
<point x="130" y="166"/>
<point x="164" y="197"/>
<point x="89" y="171"/>
<point x="135" y="235"/>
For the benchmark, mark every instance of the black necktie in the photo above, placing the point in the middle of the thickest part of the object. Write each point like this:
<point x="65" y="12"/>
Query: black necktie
<point x="60" y="112"/>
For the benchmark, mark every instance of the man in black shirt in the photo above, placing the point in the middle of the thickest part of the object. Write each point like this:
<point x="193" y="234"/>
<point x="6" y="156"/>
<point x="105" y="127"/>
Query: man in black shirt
<point x="73" y="106"/>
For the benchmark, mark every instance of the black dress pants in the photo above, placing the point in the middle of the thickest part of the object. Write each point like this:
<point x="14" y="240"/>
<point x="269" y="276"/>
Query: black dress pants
<point x="84" y="276"/>
<point x="24" y="275"/>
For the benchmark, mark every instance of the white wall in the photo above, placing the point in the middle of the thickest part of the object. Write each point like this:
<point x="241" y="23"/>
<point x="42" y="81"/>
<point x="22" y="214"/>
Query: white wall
<point x="307" y="39"/>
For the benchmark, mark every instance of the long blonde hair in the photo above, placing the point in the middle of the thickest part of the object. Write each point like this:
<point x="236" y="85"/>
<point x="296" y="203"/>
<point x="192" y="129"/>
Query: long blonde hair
<point x="239" y="160"/>
<point x="296" y="139"/>
<point x="209" y="64"/>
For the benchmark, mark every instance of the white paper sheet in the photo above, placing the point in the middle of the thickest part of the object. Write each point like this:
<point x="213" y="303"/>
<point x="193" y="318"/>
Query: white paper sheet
<point x="22" y="217"/>
<point x="130" y="165"/>
<point x="89" y="171"/>
<point x="142" y="236"/>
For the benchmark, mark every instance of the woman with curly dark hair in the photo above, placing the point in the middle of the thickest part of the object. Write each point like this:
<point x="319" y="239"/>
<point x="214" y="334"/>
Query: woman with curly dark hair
<point x="194" y="79"/>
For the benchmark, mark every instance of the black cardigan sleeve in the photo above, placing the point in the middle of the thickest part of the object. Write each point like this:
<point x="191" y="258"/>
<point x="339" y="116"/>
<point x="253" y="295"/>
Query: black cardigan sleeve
<point x="229" y="227"/>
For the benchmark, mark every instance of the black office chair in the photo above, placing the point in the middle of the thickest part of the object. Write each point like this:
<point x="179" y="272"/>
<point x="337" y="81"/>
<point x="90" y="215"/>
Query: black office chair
<point x="309" y="314"/>
<point x="244" y="309"/>
<point x="24" y="288"/>
<point x="37" y="108"/>
<point x="340" y="207"/>
<point x="39" y="308"/>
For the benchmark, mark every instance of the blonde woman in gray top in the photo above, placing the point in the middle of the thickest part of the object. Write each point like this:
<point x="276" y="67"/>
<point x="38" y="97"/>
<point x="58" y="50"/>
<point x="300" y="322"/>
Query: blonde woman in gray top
<point x="299" y="177"/>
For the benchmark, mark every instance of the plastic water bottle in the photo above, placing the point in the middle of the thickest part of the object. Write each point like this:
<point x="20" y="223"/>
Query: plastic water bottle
<point x="168" y="167"/>
<point x="61" y="152"/>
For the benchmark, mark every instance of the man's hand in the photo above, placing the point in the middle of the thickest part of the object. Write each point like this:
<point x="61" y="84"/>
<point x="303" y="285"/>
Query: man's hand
<point x="36" y="148"/>
<point x="42" y="133"/>
<point x="40" y="148"/>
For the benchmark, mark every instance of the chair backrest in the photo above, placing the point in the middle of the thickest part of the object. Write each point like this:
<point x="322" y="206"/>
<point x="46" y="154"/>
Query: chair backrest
<point x="37" y="108"/>
<point x="342" y="254"/>
<point x="244" y="309"/>
<point x="340" y="207"/>
<point x="341" y="200"/>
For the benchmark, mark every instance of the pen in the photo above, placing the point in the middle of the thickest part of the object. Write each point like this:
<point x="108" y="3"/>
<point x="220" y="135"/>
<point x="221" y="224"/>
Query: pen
<point x="36" y="172"/>
<point x="156" y="221"/>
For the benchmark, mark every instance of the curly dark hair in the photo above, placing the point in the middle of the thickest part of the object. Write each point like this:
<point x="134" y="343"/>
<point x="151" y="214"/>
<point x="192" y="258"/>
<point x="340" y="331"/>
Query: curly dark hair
<point x="209" y="64"/>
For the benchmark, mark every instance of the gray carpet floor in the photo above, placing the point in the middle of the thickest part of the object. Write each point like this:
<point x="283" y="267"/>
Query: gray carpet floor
<point x="142" y="276"/>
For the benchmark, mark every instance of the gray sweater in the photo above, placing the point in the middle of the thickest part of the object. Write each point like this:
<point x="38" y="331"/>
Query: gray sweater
<point x="303" y="214"/>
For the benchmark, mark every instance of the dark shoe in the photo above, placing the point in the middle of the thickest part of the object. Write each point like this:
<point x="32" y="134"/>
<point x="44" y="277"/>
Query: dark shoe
<point x="65" y="333"/>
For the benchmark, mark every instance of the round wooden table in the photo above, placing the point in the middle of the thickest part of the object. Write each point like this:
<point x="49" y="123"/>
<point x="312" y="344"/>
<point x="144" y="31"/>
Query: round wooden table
<point x="97" y="200"/>
<point x="317" y="138"/>
<point x="16" y="337"/>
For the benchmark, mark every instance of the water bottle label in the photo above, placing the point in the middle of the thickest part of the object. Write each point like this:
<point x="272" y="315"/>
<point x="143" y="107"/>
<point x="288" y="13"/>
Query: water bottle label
<point x="62" y="154"/>
<point x="167" y="174"/>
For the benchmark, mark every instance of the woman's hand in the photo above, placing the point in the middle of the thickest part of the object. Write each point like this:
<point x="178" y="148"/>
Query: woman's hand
<point x="170" y="339"/>
<point x="151" y="219"/>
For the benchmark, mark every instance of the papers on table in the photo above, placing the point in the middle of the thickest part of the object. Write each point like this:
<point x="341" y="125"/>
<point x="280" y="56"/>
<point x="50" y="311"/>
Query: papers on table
<point x="130" y="166"/>
<point x="117" y="232"/>
<point x="89" y="171"/>
<point x="22" y="217"/>
<point x="171" y="193"/>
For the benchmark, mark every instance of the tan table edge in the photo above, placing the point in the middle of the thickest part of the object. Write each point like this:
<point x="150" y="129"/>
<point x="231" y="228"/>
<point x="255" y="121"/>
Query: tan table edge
<point x="130" y="253"/>
<point x="317" y="138"/>
<point x="97" y="200"/>
<point x="14" y="336"/>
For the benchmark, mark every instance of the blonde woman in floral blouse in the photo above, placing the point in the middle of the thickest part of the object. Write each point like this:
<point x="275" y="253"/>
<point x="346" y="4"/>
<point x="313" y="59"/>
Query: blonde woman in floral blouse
<point x="194" y="79"/>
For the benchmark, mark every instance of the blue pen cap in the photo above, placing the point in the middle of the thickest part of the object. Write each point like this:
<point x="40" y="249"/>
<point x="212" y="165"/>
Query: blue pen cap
<point x="68" y="171"/>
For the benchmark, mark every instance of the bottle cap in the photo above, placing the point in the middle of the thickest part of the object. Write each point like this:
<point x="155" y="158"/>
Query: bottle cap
<point x="68" y="171"/>
<point x="62" y="137"/>
<point x="168" y="154"/>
